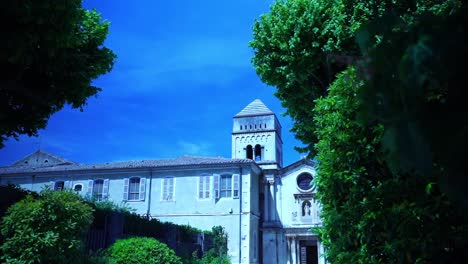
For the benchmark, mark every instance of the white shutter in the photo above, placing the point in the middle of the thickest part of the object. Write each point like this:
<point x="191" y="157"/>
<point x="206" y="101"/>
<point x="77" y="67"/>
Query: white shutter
<point x="164" y="192"/>
<point x="207" y="190"/>
<point x="171" y="189"/>
<point x="125" y="195"/>
<point x="51" y="186"/>
<point x="235" y="183"/>
<point x="142" y="189"/>
<point x="105" y="189"/>
<point x="67" y="185"/>
<point x="90" y="188"/>
<point x="216" y="185"/>
<point x="200" y="187"/>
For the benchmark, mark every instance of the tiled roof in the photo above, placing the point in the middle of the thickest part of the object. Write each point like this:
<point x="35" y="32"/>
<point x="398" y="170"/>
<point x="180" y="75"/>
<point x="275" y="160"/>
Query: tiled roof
<point x="256" y="107"/>
<point x="184" y="161"/>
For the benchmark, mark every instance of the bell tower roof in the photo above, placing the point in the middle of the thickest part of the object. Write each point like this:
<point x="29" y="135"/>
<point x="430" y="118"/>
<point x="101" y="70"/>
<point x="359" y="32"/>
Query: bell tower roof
<point x="255" y="108"/>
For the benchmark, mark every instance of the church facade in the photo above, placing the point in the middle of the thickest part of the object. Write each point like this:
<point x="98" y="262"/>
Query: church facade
<point x="266" y="209"/>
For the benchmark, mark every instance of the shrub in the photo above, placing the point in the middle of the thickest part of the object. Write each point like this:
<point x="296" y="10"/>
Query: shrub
<point x="212" y="257"/>
<point x="142" y="250"/>
<point x="47" y="229"/>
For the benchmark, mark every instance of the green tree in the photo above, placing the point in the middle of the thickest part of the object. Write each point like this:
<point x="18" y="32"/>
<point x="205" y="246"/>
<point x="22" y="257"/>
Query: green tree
<point x="388" y="148"/>
<point x="220" y="240"/>
<point x="418" y="94"/>
<point x="142" y="250"/>
<point x="50" y="54"/>
<point x="370" y="214"/>
<point x="301" y="45"/>
<point x="48" y="229"/>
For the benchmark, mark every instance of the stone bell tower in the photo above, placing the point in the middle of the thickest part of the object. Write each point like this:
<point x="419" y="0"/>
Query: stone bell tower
<point x="256" y="135"/>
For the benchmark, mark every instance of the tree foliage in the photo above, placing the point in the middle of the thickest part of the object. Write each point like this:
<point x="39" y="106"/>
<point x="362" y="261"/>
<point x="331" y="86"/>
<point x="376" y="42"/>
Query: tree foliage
<point x="48" y="229"/>
<point x="142" y="250"/>
<point x="50" y="54"/>
<point x="370" y="214"/>
<point x="376" y="92"/>
<point x="418" y="94"/>
<point x="301" y="45"/>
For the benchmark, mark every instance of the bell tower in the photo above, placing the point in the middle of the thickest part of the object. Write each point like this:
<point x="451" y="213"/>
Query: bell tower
<point x="256" y="135"/>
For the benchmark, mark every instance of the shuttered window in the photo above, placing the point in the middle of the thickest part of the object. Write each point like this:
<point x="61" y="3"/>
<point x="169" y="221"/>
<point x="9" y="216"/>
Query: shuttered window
<point x="134" y="189"/>
<point x="97" y="189"/>
<point x="204" y="187"/>
<point x="59" y="185"/>
<point x="100" y="189"/>
<point x="168" y="189"/>
<point x="226" y="186"/>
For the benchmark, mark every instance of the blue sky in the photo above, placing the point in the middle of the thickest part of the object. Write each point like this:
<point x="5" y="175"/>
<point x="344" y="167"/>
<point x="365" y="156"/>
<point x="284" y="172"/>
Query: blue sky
<point x="183" y="71"/>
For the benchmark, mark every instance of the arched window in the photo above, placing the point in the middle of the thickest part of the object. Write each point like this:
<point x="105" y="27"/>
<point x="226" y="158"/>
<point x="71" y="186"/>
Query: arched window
<point x="134" y="189"/>
<point x="58" y="186"/>
<point x="258" y="153"/>
<point x="306" y="208"/>
<point x="249" y="152"/>
<point x="78" y="188"/>
<point x="98" y="188"/>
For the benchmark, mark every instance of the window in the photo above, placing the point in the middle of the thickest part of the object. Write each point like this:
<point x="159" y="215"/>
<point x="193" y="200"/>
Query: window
<point x="304" y="182"/>
<point x="258" y="153"/>
<point x="59" y="185"/>
<point x="78" y="188"/>
<point x="168" y="189"/>
<point x="98" y="189"/>
<point x="249" y="152"/>
<point x="226" y="186"/>
<point x="204" y="187"/>
<point x="134" y="189"/>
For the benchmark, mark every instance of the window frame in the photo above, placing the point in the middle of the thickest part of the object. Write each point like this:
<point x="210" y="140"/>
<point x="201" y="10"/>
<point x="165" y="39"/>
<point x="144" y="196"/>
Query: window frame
<point x="96" y="195"/>
<point x="226" y="190"/>
<point x="297" y="183"/>
<point x="76" y="185"/>
<point x="62" y="183"/>
<point x="233" y="191"/>
<point x="137" y="193"/>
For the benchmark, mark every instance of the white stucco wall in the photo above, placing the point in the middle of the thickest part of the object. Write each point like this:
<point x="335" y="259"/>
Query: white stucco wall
<point x="288" y="206"/>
